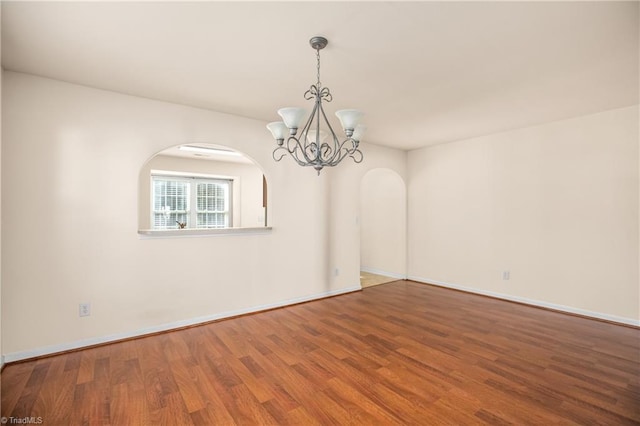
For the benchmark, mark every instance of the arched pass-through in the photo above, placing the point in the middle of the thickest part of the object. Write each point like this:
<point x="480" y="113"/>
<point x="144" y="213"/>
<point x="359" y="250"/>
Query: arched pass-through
<point x="200" y="188"/>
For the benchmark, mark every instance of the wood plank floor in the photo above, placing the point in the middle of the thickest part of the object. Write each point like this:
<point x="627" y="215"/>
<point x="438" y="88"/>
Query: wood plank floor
<point x="398" y="353"/>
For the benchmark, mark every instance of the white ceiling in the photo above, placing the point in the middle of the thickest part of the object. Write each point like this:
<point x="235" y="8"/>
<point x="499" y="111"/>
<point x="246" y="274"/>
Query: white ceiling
<point x="423" y="72"/>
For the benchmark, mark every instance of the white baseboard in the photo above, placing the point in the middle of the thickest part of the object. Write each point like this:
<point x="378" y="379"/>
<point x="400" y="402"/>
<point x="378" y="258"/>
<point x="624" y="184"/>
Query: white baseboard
<point x="385" y="273"/>
<point x="78" y="344"/>
<point x="538" y="303"/>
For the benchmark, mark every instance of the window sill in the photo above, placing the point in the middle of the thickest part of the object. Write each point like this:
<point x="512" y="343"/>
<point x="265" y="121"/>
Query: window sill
<point x="181" y="233"/>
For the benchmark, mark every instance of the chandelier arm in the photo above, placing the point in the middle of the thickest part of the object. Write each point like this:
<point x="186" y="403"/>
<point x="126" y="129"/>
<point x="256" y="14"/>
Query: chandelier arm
<point x="305" y="145"/>
<point x="295" y="149"/>
<point x="309" y="122"/>
<point x="326" y="150"/>
<point x="291" y="148"/>
<point x="357" y="156"/>
<point x="280" y="148"/>
<point x="295" y="156"/>
<point x="347" y="150"/>
<point x="353" y="152"/>
<point x="327" y="122"/>
<point x="293" y="153"/>
<point x="336" y="145"/>
<point x="336" y="160"/>
<point x="317" y="110"/>
<point x="310" y="150"/>
<point x="305" y="163"/>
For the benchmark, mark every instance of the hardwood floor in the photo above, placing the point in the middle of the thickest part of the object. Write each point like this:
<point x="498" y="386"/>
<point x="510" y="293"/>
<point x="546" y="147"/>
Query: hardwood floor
<point x="398" y="353"/>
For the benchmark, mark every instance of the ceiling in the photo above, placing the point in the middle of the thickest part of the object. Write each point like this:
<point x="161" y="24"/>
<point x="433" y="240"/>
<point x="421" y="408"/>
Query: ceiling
<point x="423" y="72"/>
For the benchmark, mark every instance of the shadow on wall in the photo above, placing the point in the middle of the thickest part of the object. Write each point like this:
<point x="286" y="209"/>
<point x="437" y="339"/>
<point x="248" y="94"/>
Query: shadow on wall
<point x="201" y="186"/>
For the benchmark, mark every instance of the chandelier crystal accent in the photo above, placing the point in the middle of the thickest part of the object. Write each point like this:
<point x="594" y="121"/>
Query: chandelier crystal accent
<point x="317" y="144"/>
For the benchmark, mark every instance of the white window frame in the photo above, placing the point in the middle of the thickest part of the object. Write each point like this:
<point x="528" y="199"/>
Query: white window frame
<point x="192" y="202"/>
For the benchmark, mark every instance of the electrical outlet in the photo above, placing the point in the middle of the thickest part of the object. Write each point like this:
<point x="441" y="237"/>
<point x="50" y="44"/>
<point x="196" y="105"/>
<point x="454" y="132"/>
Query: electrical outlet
<point x="84" y="309"/>
<point x="337" y="272"/>
<point x="506" y="275"/>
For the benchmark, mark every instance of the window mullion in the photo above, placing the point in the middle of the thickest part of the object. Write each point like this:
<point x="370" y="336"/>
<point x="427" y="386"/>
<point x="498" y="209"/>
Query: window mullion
<point x="193" y="204"/>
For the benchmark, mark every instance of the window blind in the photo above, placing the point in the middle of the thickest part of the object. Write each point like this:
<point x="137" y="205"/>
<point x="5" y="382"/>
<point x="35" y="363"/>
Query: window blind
<point x="173" y="197"/>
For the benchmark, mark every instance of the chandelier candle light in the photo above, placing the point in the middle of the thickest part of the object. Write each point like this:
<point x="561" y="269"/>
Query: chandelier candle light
<point x="310" y="148"/>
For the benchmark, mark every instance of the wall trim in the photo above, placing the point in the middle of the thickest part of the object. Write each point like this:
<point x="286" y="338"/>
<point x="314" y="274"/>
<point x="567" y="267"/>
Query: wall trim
<point x="152" y="234"/>
<point x="385" y="273"/>
<point x="532" y="302"/>
<point x="114" y="338"/>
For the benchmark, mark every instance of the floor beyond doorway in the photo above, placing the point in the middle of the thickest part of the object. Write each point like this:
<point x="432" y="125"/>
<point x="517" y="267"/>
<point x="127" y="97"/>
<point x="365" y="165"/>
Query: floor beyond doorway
<point x="367" y="279"/>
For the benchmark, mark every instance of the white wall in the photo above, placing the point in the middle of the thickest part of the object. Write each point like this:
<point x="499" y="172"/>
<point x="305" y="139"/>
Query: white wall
<point x="73" y="157"/>
<point x="71" y="161"/>
<point x="1" y="76"/>
<point x="247" y="187"/>
<point x="383" y="223"/>
<point x="555" y="204"/>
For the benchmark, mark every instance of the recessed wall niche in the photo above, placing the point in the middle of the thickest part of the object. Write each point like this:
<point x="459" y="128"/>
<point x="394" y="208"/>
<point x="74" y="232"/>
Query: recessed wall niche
<point x="201" y="187"/>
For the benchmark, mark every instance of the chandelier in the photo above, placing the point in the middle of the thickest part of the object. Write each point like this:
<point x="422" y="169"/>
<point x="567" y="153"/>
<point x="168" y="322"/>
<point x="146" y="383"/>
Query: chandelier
<point x="311" y="147"/>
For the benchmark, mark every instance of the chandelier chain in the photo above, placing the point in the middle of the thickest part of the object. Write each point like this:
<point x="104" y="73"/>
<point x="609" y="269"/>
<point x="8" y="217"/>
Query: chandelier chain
<point x="318" y="67"/>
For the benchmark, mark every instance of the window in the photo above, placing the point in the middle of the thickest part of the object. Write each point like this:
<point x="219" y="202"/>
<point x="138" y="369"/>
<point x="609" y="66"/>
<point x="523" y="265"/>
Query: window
<point x="198" y="203"/>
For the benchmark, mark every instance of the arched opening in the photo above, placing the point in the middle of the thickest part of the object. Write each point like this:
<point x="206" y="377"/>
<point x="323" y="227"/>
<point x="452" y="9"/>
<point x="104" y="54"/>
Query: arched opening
<point x="383" y="227"/>
<point x="201" y="186"/>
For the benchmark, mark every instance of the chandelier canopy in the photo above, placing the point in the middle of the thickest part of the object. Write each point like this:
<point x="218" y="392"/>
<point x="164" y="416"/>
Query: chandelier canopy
<point x="310" y="147"/>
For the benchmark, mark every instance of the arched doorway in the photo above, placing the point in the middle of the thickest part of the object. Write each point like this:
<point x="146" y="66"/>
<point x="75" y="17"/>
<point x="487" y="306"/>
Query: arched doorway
<point x="383" y="227"/>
